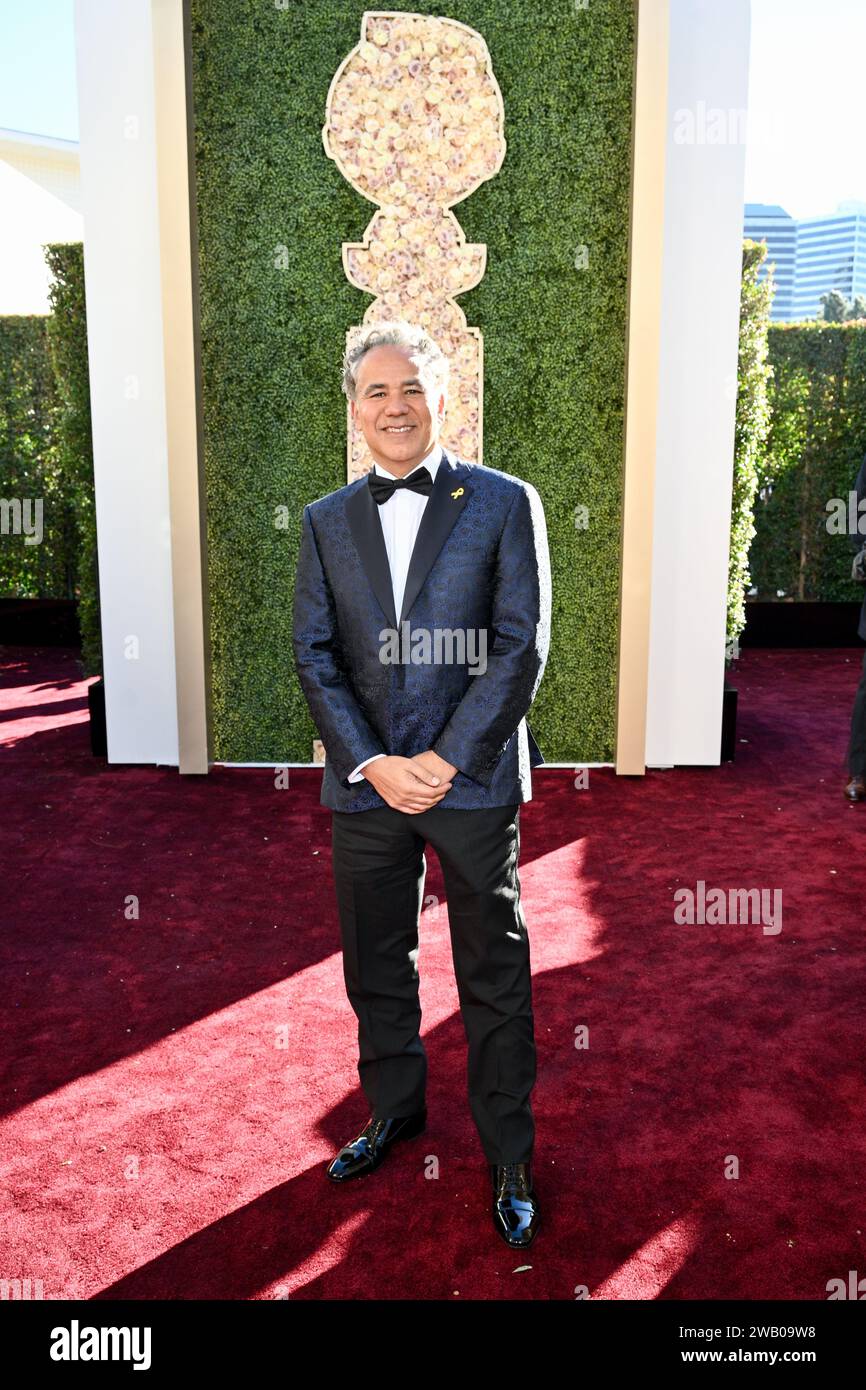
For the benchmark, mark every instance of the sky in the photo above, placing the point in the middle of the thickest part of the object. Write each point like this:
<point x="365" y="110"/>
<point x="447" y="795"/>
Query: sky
<point x="805" y="145"/>
<point x="37" y="67"/>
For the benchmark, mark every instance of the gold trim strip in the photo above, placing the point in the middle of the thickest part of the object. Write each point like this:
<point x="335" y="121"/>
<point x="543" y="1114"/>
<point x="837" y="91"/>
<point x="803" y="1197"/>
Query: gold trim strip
<point x="178" y="261"/>
<point x="643" y="336"/>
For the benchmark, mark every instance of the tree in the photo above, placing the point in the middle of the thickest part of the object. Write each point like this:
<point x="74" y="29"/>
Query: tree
<point x="835" y="307"/>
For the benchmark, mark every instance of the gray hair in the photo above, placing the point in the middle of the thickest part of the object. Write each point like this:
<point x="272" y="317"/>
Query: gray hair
<point x="396" y="333"/>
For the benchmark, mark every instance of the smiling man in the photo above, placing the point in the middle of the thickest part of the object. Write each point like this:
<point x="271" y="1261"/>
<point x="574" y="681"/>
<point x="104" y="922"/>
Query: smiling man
<point x="428" y="751"/>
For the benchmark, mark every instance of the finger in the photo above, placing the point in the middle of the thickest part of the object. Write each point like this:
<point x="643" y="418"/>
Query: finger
<point x="421" y="774"/>
<point x="416" y="805"/>
<point x="424" y="800"/>
<point x="422" y="805"/>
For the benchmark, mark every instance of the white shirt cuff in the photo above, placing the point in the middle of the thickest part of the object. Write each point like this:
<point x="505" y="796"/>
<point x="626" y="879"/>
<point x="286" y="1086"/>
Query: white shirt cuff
<point x="356" y="775"/>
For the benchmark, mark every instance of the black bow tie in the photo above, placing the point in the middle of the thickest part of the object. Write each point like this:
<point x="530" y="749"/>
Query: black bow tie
<point x="383" y="488"/>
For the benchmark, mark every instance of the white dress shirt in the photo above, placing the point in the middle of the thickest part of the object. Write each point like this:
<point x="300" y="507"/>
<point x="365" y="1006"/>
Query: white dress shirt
<point x="400" y="517"/>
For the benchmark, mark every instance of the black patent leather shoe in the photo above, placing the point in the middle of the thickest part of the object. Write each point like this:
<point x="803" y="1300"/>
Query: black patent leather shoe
<point x="364" y="1154"/>
<point x="515" y="1205"/>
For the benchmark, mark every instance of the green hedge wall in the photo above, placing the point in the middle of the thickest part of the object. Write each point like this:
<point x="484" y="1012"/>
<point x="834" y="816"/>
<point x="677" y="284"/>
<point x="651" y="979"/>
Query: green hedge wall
<point x="46" y="451"/>
<point x="28" y="463"/>
<point x="752" y="423"/>
<point x="66" y="330"/>
<point x="273" y="334"/>
<point x="816" y="442"/>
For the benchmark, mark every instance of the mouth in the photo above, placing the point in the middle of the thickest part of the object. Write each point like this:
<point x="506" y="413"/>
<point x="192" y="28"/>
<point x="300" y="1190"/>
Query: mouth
<point x="398" y="429"/>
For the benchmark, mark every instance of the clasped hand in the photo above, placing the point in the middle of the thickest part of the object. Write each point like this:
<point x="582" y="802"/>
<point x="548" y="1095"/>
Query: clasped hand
<point x="411" y="784"/>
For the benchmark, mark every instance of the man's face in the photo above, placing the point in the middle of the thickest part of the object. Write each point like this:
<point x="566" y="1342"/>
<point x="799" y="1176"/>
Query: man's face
<point x="393" y="408"/>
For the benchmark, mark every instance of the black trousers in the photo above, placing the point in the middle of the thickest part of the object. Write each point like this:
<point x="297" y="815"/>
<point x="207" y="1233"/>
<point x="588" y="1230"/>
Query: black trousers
<point x="379" y="871"/>
<point x="857" y="743"/>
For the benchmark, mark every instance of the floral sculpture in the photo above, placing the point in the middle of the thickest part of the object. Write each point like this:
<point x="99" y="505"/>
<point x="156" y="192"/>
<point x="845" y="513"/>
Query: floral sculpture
<point x="415" y="122"/>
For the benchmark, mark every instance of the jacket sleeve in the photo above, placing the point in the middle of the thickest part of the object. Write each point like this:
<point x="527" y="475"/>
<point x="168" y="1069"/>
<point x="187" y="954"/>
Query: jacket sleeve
<point x="490" y="712"/>
<point x="342" y="725"/>
<point x="858" y="538"/>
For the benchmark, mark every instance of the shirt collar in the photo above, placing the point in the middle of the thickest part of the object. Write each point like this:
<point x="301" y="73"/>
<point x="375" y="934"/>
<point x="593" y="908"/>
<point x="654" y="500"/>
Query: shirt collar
<point x="431" y="462"/>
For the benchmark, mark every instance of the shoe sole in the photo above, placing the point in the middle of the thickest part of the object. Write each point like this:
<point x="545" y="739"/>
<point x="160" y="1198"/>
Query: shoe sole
<point x="368" y="1172"/>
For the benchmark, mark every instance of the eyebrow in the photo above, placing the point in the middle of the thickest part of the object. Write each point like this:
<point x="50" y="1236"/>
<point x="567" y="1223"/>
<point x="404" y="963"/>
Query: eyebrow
<point x="381" y="385"/>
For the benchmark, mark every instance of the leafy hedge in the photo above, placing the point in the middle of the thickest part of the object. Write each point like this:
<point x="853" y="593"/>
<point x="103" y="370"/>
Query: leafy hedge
<point x="28" y="464"/>
<point x="46" y="451"/>
<point x="67" y="341"/>
<point x="273" y="330"/>
<point x="816" y="442"/>
<point x="752" y="423"/>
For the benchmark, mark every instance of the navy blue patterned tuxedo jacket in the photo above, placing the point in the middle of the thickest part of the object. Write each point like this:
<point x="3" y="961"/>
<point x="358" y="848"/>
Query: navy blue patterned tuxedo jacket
<point x="480" y="562"/>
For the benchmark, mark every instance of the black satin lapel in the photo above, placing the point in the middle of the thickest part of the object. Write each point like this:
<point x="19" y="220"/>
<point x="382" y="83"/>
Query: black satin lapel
<point x="451" y="492"/>
<point x="363" y="516"/>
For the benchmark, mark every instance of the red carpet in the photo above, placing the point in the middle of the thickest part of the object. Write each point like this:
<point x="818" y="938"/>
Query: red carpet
<point x="175" y="1082"/>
